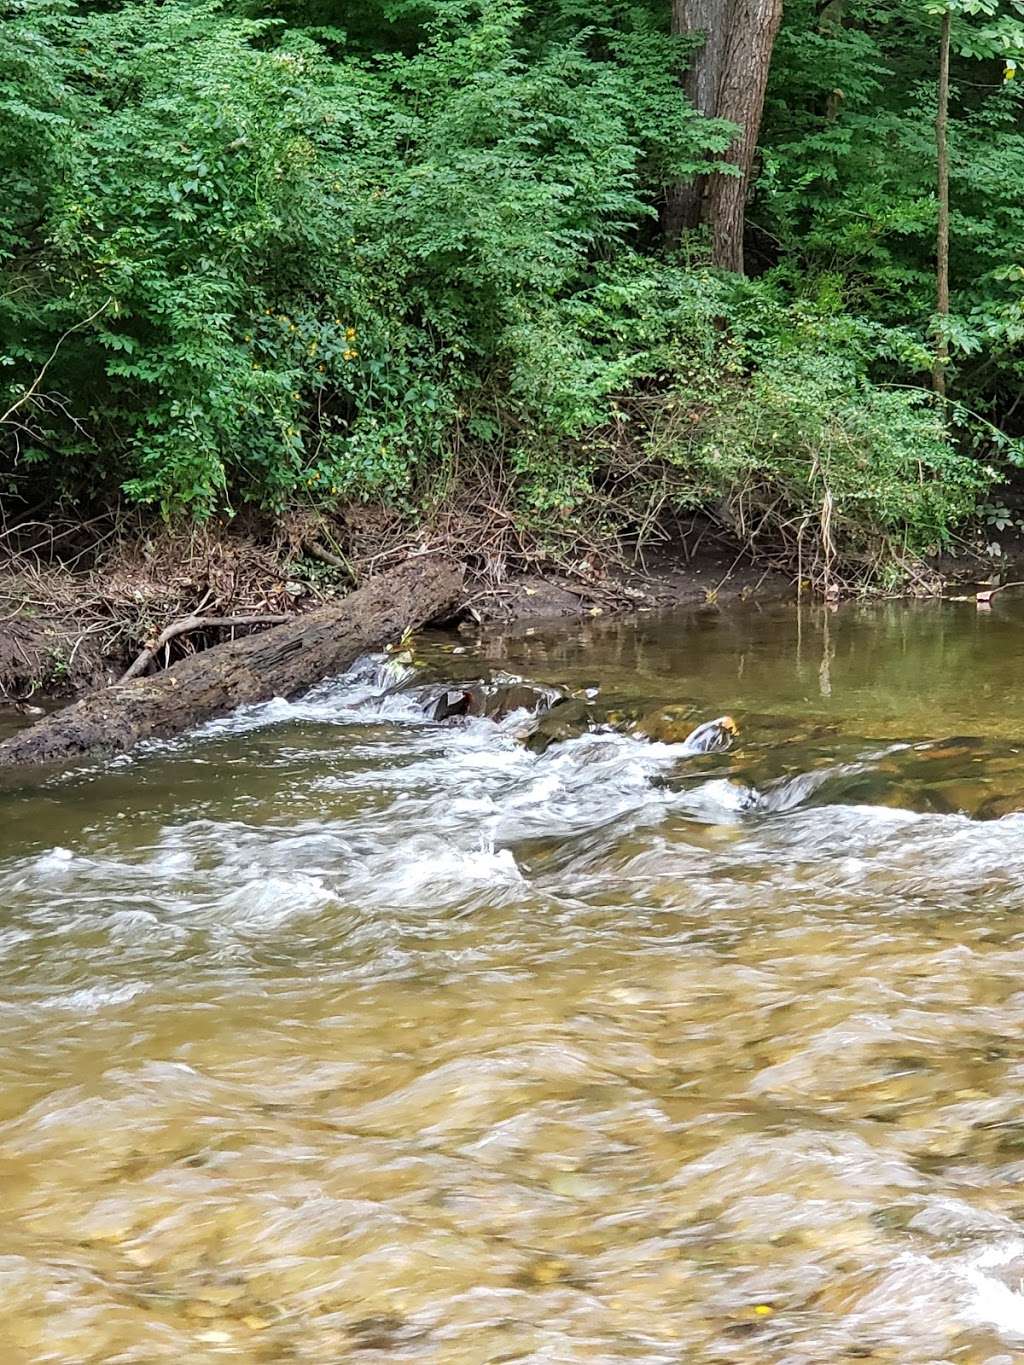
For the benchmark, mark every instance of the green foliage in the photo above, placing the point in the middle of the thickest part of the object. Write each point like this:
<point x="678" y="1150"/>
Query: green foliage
<point x="811" y="454"/>
<point x="272" y="252"/>
<point x="777" y="426"/>
<point x="849" y="189"/>
<point x="305" y="264"/>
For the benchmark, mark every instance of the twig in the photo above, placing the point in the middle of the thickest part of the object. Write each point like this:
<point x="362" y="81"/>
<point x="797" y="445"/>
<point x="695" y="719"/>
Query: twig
<point x="317" y="551"/>
<point x="728" y="573"/>
<point x="185" y="627"/>
<point x="989" y="593"/>
<point x="75" y="327"/>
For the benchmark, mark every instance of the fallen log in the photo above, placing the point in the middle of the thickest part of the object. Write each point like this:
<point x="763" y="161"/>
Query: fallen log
<point x="186" y="627"/>
<point x="279" y="662"/>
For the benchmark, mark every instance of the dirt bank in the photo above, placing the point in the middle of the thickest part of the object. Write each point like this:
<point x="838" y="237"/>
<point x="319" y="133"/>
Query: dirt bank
<point x="674" y="581"/>
<point x="75" y="621"/>
<point x="68" y="629"/>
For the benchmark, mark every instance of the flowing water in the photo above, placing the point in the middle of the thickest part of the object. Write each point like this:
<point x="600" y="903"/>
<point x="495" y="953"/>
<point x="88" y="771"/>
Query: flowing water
<point x="331" y="1033"/>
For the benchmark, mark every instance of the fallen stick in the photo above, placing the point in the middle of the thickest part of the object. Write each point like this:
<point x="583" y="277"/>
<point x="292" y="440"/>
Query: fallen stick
<point x="317" y="551"/>
<point x="279" y="662"/>
<point x="983" y="598"/>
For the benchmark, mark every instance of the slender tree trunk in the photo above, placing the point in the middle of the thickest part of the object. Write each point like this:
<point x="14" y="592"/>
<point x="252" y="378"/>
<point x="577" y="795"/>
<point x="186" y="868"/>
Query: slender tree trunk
<point x="942" y="239"/>
<point x="709" y="20"/>
<point x="741" y="93"/>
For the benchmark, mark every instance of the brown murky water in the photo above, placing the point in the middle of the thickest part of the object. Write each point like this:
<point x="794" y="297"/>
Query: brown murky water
<point x="331" y="1034"/>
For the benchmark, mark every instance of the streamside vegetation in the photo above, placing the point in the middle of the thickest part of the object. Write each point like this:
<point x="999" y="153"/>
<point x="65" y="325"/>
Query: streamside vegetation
<point x="574" y="267"/>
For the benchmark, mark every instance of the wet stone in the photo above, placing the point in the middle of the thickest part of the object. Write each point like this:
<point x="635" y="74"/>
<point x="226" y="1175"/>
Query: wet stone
<point x="995" y="807"/>
<point x="494" y="700"/>
<point x="894" y="1217"/>
<point x="382" y="1332"/>
<point x="565" y="720"/>
<point x="451" y="703"/>
<point x="668" y="724"/>
<point x="543" y="1273"/>
<point x="502" y="699"/>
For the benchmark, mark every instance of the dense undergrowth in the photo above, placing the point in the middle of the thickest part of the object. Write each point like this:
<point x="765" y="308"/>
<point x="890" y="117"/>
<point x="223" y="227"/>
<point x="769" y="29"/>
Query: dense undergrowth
<point x="303" y="256"/>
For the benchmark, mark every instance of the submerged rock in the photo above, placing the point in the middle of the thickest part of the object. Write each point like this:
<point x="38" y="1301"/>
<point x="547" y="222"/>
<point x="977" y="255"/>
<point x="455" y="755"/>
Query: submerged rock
<point x="453" y="702"/>
<point x="560" y="716"/>
<point x="1007" y="803"/>
<point x="501" y="699"/>
<point x="713" y="736"/>
<point x="567" y="718"/>
<point x="667" y="724"/>
<point x="495" y="700"/>
<point x="674" y="725"/>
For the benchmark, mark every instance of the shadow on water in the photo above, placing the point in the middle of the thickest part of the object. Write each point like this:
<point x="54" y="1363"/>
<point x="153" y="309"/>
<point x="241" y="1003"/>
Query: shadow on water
<point x="332" y="1032"/>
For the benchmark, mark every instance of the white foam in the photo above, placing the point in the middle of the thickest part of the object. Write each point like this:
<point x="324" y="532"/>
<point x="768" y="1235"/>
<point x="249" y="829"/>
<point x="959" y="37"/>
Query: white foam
<point x="992" y="1301"/>
<point x="368" y="690"/>
<point x="427" y="871"/>
<point x="269" y="902"/>
<point x="92" y="999"/>
<point x="55" y="861"/>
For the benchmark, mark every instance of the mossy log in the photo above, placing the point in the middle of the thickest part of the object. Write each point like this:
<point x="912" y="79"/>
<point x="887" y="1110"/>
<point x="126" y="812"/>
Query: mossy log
<point x="280" y="662"/>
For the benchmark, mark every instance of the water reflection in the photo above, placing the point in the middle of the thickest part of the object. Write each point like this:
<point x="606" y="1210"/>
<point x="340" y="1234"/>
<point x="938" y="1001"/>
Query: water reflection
<point x="330" y="1033"/>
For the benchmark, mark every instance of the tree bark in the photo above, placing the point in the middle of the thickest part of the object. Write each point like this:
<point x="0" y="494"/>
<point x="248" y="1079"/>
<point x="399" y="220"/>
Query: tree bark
<point x="942" y="236"/>
<point x="186" y="627"/>
<point x="726" y="79"/>
<point x="281" y="661"/>
<point x="708" y="20"/>
<point x="748" y="55"/>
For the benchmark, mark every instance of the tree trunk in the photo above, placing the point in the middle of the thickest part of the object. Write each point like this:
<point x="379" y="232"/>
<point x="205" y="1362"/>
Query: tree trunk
<point x="727" y="79"/>
<point x="942" y="237"/>
<point x="741" y="93"/>
<point x="279" y="662"/>
<point x="709" y="20"/>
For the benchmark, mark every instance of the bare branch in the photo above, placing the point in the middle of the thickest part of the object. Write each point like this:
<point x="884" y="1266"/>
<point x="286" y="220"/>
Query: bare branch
<point x="75" y="327"/>
<point x="186" y="626"/>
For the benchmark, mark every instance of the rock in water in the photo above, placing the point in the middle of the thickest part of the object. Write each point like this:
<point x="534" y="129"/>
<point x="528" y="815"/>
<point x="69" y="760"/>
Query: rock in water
<point x="712" y="737"/>
<point x="565" y="720"/>
<point x="667" y="724"/>
<point x="452" y="702"/>
<point x="493" y="700"/>
<point x="503" y="697"/>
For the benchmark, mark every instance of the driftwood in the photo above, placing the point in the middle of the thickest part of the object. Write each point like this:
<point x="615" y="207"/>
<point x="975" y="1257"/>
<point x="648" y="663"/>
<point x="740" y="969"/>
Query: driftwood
<point x="282" y="661"/>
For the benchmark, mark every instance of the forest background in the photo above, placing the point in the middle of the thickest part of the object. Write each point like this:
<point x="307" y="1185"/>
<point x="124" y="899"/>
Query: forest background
<point x="570" y="266"/>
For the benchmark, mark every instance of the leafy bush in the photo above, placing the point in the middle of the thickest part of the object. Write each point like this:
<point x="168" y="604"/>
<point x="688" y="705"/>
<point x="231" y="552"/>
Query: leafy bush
<point x="774" y="423"/>
<point x="251" y="256"/>
<point x="849" y="185"/>
<point x="302" y="265"/>
<point x="841" y="476"/>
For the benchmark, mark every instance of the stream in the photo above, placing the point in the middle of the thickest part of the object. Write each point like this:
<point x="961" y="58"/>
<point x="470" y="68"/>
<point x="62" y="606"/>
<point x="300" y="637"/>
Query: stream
<point x="332" y="1032"/>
